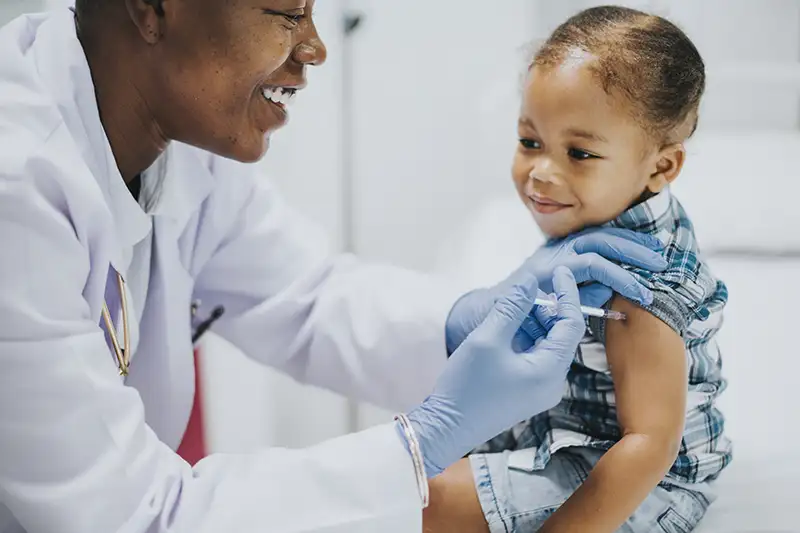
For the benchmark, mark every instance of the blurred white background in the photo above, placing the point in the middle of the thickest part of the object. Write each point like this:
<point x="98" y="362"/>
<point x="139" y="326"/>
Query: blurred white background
<point x="409" y="129"/>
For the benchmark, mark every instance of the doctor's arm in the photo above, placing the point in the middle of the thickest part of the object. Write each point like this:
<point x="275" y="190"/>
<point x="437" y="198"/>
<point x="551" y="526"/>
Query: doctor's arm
<point x="370" y="331"/>
<point x="76" y="454"/>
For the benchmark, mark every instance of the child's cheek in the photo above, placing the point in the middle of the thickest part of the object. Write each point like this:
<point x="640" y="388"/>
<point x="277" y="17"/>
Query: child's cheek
<point x="520" y="169"/>
<point x="601" y="207"/>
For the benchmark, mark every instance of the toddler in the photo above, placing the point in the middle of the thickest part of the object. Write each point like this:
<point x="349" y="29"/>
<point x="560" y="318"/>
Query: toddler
<point x="609" y="100"/>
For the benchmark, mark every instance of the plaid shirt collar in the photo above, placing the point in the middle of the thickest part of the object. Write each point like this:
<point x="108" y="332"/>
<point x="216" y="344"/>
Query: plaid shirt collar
<point x="650" y="216"/>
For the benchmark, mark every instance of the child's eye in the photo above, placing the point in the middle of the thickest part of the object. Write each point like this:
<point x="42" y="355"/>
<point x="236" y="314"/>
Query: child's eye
<point x="580" y="155"/>
<point x="530" y="144"/>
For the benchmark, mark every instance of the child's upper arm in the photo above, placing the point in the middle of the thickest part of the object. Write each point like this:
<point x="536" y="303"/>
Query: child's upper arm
<point x="647" y="359"/>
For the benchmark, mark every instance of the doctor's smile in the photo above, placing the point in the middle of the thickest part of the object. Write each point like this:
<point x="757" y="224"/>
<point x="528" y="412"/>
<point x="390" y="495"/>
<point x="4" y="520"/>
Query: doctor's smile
<point x="277" y="99"/>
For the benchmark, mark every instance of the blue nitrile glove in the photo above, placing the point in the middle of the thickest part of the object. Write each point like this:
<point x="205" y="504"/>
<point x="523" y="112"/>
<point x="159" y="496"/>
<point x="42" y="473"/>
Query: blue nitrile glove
<point x="591" y="255"/>
<point x="488" y="385"/>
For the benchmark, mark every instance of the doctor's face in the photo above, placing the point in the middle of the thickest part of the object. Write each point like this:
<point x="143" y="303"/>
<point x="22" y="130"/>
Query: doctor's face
<point x="229" y="69"/>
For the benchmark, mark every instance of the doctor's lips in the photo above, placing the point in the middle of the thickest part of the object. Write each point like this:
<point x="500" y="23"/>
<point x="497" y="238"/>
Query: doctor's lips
<point x="545" y="205"/>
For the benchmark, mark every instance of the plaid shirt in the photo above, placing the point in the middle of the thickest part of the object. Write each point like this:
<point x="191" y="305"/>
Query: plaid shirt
<point x="689" y="299"/>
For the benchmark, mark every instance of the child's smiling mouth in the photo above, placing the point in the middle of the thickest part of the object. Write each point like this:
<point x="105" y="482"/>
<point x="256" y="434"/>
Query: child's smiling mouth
<point x="546" y="206"/>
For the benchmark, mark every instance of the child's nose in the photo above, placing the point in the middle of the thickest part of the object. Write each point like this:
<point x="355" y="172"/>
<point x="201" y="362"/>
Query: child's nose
<point x="544" y="170"/>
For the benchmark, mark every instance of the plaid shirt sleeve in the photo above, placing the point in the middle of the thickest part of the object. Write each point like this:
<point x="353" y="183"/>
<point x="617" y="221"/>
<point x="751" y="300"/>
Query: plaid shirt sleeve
<point x="683" y="292"/>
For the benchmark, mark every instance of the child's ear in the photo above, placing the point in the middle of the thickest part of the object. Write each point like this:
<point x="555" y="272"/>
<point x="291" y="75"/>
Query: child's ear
<point x="668" y="164"/>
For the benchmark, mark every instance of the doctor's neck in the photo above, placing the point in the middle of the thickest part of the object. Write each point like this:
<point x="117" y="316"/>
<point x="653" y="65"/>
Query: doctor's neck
<point x="123" y="89"/>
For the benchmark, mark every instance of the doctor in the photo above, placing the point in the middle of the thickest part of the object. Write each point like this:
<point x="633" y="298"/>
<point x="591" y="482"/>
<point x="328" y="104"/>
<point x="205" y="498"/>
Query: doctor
<point x="124" y="197"/>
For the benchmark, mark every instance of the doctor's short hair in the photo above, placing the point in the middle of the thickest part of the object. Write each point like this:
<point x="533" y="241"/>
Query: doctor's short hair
<point x="644" y="58"/>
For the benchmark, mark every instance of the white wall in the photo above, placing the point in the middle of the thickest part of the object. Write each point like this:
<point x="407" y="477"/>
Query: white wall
<point x="10" y="9"/>
<point x="434" y="85"/>
<point x="733" y="36"/>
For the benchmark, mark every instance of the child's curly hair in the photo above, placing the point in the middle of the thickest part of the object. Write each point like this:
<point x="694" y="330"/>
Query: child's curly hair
<point x="643" y="57"/>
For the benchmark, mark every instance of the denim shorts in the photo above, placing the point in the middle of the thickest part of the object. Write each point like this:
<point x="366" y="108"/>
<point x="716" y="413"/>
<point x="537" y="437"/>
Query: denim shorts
<point x="521" y="500"/>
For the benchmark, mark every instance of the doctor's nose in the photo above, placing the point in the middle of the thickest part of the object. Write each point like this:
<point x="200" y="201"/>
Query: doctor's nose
<point x="311" y="51"/>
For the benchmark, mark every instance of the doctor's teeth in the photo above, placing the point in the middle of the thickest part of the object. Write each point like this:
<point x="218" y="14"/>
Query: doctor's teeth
<point x="279" y="95"/>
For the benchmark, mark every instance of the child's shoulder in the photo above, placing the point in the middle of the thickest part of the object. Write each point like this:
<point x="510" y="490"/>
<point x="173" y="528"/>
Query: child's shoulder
<point x="687" y="290"/>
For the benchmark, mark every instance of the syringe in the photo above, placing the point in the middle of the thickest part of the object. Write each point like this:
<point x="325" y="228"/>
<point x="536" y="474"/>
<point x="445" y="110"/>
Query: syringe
<point x="586" y="310"/>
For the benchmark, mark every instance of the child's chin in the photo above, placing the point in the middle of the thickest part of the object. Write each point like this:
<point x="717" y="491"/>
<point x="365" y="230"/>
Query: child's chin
<point x="556" y="231"/>
<point x="557" y="234"/>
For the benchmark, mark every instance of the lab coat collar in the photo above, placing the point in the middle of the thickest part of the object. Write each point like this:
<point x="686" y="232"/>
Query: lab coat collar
<point x="187" y="184"/>
<point x="65" y="72"/>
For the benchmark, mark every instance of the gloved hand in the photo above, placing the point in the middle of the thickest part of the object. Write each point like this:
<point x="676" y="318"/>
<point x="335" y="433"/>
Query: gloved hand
<point x="488" y="385"/>
<point x="590" y="254"/>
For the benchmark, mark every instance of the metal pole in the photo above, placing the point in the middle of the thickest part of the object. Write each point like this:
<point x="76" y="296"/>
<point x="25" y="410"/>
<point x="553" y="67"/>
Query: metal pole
<point x="351" y="22"/>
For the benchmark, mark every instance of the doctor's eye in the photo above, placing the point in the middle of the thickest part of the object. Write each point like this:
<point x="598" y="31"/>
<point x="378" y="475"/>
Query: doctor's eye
<point x="292" y="18"/>
<point x="580" y="155"/>
<point x="530" y="144"/>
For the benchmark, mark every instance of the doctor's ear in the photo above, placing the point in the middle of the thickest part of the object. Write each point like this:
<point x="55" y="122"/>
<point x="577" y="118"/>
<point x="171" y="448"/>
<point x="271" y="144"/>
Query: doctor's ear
<point x="668" y="164"/>
<point x="148" y="17"/>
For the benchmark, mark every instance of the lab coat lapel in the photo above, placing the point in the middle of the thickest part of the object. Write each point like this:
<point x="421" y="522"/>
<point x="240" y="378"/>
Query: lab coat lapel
<point x="165" y="376"/>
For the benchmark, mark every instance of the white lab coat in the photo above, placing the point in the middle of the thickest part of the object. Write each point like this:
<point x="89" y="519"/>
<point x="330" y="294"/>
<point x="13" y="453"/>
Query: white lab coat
<point x="81" y="450"/>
